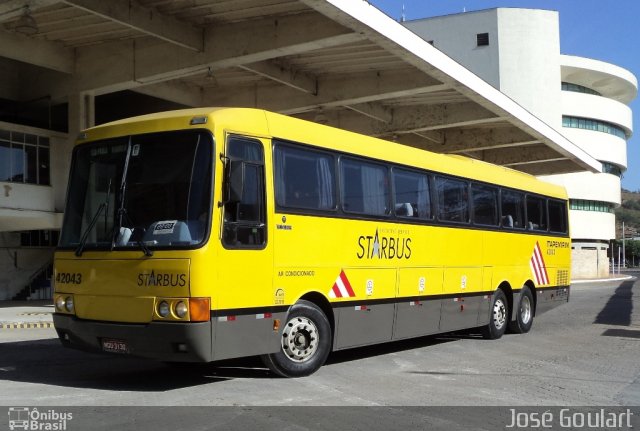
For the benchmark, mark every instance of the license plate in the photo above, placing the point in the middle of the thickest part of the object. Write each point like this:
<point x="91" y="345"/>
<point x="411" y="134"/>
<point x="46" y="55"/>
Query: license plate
<point x="114" y="346"/>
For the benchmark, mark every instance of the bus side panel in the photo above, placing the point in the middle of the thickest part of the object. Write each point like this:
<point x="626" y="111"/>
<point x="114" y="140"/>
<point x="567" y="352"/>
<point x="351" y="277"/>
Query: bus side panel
<point x="365" y="323"/>
<point x="370" y="324"/>
<point x="556" y="256"/>
<point x="246" y="335"/>
<point x="461" y="254"/>
<point x="507" y="259"/>
<point x="549" y="298"/>
<point x="417" y="313"/>
<point x="484" y="309"/>
<point x="461" y="305"/>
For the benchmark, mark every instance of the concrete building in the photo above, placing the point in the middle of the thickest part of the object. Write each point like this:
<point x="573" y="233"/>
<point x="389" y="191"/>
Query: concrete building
<point x="70" y="64"/>
<point x="518" y="52"/>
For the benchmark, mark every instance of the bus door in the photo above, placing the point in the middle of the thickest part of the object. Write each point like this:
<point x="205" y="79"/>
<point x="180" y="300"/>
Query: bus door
<point x="242" y="323"/>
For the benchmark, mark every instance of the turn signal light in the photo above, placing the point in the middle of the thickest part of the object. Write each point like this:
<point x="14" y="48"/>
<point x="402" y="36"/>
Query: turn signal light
<point x="199" y="309"/>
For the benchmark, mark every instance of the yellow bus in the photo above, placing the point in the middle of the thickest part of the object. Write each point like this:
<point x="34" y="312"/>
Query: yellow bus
<point x="208" y="234"/>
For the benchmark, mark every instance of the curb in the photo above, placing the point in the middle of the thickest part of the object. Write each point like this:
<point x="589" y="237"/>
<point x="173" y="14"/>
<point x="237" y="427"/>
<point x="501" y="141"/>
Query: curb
<point x="33" y="325"/>
<point x="600" y="280"/>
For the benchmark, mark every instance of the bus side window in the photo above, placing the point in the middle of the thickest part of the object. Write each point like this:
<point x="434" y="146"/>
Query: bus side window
<point x="557" y="216"/>
<point x="305" y="179"/>
<point x="512" y="209"/>
<point x="453" y="200"/>
<point x="365" y="187"/>
<point x="485" y="204"/>
<point x="244" y="218"/>
<point x="536" y="214"/>
<point x="411" y="194"/>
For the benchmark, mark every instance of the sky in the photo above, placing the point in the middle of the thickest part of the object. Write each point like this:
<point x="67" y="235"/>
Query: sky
<point x="598" y="29"/>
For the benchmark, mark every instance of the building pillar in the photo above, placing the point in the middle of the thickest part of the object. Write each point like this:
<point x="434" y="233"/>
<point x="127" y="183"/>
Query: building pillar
<point x="82" y="115"/>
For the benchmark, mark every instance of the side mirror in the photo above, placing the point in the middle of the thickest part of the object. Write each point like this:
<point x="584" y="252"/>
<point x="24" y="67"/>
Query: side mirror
<point x="235" y="180"/>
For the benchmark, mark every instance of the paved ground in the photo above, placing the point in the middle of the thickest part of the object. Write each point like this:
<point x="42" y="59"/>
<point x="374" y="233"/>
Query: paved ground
<point x="584" y="353"/>
<point x="25" y="314"/>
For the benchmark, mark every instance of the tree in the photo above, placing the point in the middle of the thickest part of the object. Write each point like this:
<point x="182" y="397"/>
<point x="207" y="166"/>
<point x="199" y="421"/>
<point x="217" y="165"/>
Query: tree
<point x="632" y="251"/>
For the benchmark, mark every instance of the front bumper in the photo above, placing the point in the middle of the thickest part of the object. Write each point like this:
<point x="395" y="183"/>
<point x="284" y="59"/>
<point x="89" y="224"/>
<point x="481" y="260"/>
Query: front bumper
<point x="164" y="341"/>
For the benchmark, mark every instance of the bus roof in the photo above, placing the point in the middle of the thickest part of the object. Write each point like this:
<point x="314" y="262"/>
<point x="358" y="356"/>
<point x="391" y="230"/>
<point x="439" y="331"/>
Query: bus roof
<point x="261" y="123"/>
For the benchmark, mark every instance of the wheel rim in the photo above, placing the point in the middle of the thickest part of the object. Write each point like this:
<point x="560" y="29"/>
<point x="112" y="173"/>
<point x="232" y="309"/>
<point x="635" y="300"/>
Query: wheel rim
<point x="499" y="313"/>
<point x="300" y="339"/>
<point x="525" y="310"/>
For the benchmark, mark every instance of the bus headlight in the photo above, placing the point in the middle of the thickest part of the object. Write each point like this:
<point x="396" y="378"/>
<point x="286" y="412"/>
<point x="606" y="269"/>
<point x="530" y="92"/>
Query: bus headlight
<point x="181" y="309"/>
<point x="65" y="304"/>
<point x="163" y="309"/>
<point x="60" y="303"/>
<point x="68" y="304"/>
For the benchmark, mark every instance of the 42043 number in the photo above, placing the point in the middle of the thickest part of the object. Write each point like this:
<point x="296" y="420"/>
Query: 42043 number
<point x="68" y="278"/>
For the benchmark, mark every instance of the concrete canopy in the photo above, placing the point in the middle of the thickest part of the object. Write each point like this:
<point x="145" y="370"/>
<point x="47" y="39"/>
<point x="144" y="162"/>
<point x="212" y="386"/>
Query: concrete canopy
<point x="340" y="62"/>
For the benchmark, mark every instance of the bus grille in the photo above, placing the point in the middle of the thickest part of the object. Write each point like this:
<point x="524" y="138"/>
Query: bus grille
<point x="562" y="277"/>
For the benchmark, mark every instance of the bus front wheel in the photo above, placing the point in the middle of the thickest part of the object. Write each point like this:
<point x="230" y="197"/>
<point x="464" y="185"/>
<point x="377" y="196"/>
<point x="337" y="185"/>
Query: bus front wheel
<point x="524" y="314"/>
<point x="499" y="317"/>
<point x="305" y="342"/>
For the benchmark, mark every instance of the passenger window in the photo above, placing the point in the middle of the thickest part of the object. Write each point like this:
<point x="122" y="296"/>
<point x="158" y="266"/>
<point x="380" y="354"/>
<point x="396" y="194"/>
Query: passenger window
<point x="557" y="216"/>
<point x="485" y="204"/>
<point x="244" y="217"/>
<point x="512" y="209"/>
<point x="411" y="192"/>
<point x="304" y="179"/>
<point x="365" y="187"/>
<point x="536" y="214"/>
<point x="453" y="200"/>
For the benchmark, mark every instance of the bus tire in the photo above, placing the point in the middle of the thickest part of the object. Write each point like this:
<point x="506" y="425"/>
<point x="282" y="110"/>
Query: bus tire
<point x="498" y="317"/>
<point x="524" y="313"/>
<point x="305" y="343"/>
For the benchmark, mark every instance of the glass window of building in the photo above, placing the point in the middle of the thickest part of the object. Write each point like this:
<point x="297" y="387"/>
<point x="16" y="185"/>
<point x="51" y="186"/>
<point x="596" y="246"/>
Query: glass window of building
<point x="595" y="125"/>
<point x="587" y="205"/>
<point x="576" y="88"/>
<point x="24" y="158"/>
<point x="482" y="39"/>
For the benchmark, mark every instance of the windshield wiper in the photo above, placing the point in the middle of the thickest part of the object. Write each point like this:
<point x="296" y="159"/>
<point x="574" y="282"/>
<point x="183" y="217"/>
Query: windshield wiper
<point x="123" y="189"/>
<point x="83" y="240"/>
<point x="122" y="211"/>
<point x="104" y="206"/>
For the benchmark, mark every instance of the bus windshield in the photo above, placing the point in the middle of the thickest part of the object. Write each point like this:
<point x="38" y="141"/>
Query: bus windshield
<point x="142" y="191"/>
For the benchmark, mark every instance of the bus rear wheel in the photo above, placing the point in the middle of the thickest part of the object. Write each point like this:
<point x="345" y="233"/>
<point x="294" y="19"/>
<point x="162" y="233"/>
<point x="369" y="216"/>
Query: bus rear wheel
<point x="498" y="318"/>
<point x="305" y="343"/>
<point x="524" y="313"/>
